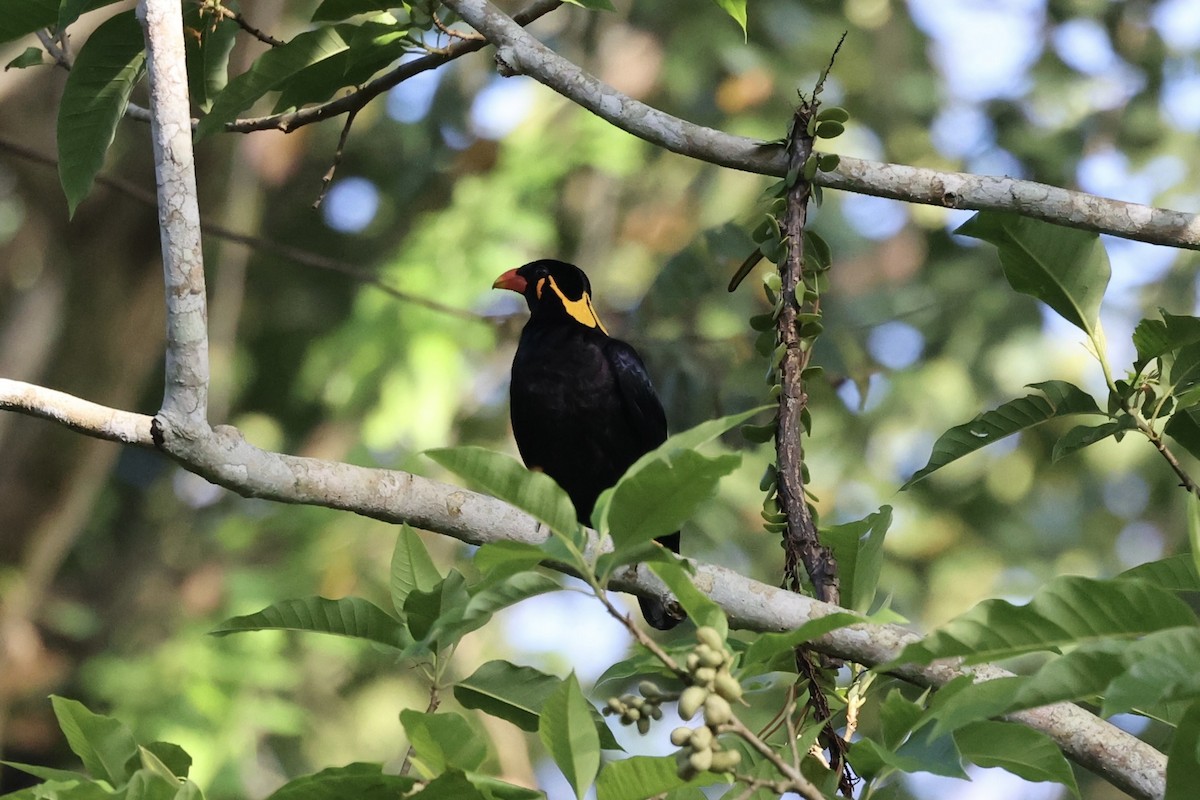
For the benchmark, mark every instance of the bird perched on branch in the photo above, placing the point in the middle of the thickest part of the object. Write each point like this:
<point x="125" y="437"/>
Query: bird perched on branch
<point x="583" y="408"/>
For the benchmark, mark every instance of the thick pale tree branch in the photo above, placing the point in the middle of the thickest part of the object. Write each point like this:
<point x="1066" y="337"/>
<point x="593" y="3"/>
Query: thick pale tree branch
<point x="518" y="52"/>
<point x="225" y="458"/>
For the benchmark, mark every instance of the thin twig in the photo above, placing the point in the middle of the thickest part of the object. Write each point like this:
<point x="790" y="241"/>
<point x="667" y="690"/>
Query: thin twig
<point x="292" y="120"/>
<point x="327" y="179"/>
<point x="243" y="23"/>
<point x="296" y="254"/>
<point x="470" y="36"/>
<point x="52" y="45"/>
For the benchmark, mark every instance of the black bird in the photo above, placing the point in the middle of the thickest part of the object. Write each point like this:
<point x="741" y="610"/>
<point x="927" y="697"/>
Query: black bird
<point x="583" y="408"/>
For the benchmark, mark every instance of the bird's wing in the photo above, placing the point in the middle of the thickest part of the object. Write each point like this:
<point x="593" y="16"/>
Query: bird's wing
<point x="641" y="403"/>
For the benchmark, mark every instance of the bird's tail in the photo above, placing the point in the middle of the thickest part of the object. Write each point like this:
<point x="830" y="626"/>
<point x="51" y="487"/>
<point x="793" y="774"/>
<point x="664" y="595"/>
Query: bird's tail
<point x="654" y="612"/>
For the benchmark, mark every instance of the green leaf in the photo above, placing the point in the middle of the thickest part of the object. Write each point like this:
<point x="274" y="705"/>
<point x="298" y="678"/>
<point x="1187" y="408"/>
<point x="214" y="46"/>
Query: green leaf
<point x="767" y="646"/>
<point x="699" y="606"/>
<point x="1069" y="610"/>
<point x="350" y="616"/>
<point x="442" y="741"/>
<point x="1184" y="427"/>
<point x="962" y="702"/>
<point x="435" y="617"/>
<point x="22" y="17"/>
<point x="148" y="784"/>
<point x="1183" y="767"/>
<point x="493" y="597"/>
<point x="1193" y="527"/>
<point x="31" y="57"/>
<point x="681" y="442"/>
<point x="1154" y="338"/>
<point x="1023" y="751"/>
<point x="451" y="785"/>
<point x="335" y="10"/>
<point x="506" y="478"/>
<point x="47" y="773"/>
<point x="565" y="729"/>
<point x="103" y="744"/>
<point x="371" y="47"/>
<point x="172" y="756"/>
<point x="737" y="10"/>
<point x="96" y="93"/>
<point x="657" y="499"/>
<point x="1177" y="573"/>
<point x="500" y="559"/>
<point x="646" y="776"/>
<point x="1161" y="668"/>
<point x="1081" y="436"/>
<point x="206" y="52"/>
<point x="271" y="69"/>
<point x="1065" y="268"/>
<point x="858" y="548"/>
<point x="1057" y="399"/>
<point x="496" y="789"/>
<point x="518" y="694"/>
<point x="412" y="568"/>
<point x="358" y="780"/>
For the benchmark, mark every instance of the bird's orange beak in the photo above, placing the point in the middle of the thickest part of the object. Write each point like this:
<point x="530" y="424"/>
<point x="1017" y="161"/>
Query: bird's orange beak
<point x="511" y="281"/>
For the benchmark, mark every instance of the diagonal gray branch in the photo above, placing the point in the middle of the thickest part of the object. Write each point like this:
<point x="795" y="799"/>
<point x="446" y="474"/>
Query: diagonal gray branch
<point x="225" y="458"/>
<point x="518" y="52"/>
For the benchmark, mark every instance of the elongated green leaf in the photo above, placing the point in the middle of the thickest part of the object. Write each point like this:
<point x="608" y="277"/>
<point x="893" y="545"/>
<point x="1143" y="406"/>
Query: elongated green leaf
<point x="29" y="57"/>
<point x="1154" y="338"/>
<point x="566" y="730"/>
<point x="69" y="10"/>
<point x="450" y="785"/>
<point x="962" y="702"/>
<point x="103" y="744"/>
<point x="501" y="559"/>
<point x="266" y="74"/>
<point x="109" y="64"/>
<point x="412" y="568"/>
<point x="1021" y="750"/>
<point x="1081" y="436"/>
<point x="645" y="776"/>
<point x="436" y="617"/>
<point x="1162" y="668"/>
<point x="23" y="17"/>
<point x="1183" y="766"/>
<point x="858" y="548"/>
<point x="1069" y="610"/>
<point x="518" y="694"/>
<point x="496" y="789"/>
<point x="767" y="646"/>
<point x="444" y="740"/>
<point x="1184" y="427"/>
<point x="737" y="10"/>
<point x="533" y="492"/>
<point x="350" y="616"/>
<point x="358" y="780"/>
<point x="47" y="773"/>
<point x="657" y="499"/>
<point x="334" y="10"/>
<point x="371" y="46"/>
<point x="699" y="606"/>
<point x="918" y="754"/>
<point x="146" y="784"/>
<point x="1057" y="399"/>
<point x="681" y="442"/>
<point x="487" y="600"/>
<point x="1177" y="573"/>
<point x="207" y="54"/>
<point x="172" y="756"/>
<point x="1065" y="268"/>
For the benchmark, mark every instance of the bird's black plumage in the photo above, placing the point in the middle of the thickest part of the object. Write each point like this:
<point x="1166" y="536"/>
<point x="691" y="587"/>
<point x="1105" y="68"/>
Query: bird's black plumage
<point x="583" y="407"/>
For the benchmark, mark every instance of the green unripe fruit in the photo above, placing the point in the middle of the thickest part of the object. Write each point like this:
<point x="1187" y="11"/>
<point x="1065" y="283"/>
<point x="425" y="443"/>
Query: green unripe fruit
<point x="690" y="701"/>
<point x="615" y="706"/>
<point x="702" y="739"/>
<point x="709" y="635"/>
<point x="643" y="726"/>
<point x="725" y="761"/>
<point x="710" y="657"/>
<point x="700" y="760"/>
<point x="727" y="686"/>
<point x="681" y="736"/>
<point x="649" y="689"/>
<point x="716" y="710"/>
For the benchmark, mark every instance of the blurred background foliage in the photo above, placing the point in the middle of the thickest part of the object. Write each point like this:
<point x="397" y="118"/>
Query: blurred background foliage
<point x="114" y="563"/>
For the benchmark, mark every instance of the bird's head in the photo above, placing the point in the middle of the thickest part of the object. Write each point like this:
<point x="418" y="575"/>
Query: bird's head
<point x="553" y="290"/>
